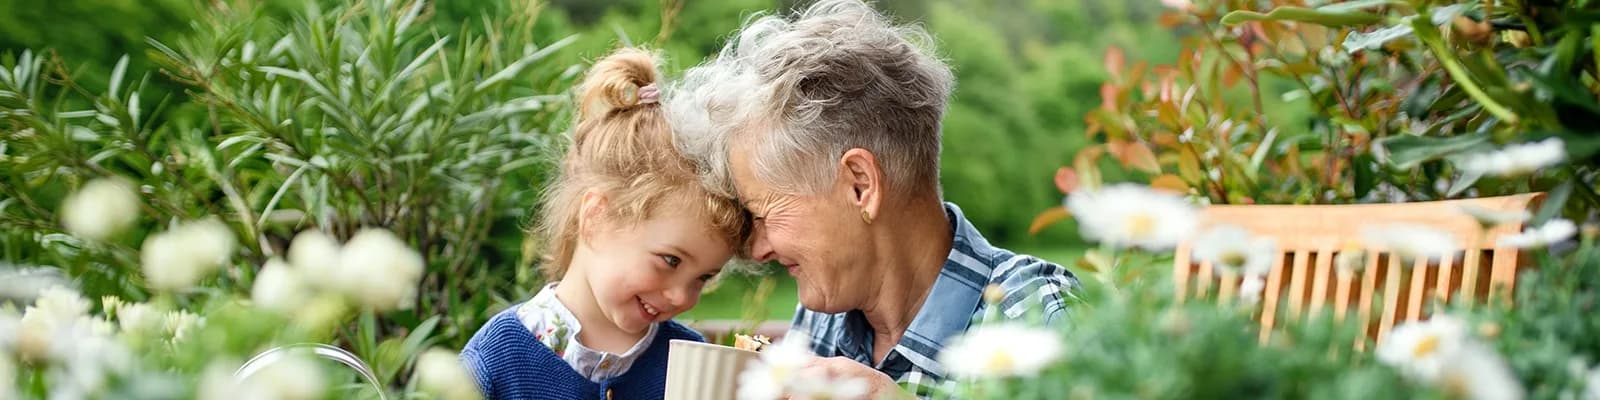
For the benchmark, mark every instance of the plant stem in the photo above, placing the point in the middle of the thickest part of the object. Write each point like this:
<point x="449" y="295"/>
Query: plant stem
<point x="1448" y="59"/>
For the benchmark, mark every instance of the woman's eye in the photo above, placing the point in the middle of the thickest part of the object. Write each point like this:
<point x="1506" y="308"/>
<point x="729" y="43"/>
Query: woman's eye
<point x="707" y="277"/>
<point x="671" y="260"/>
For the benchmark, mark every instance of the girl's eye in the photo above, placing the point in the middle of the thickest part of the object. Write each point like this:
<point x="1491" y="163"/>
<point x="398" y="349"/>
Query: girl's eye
<point x="671" y="260"/>
<point x="708" y="277"/>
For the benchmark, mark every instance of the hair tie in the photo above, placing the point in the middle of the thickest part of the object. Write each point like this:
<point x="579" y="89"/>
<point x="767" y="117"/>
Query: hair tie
<point x="649" y="94"/>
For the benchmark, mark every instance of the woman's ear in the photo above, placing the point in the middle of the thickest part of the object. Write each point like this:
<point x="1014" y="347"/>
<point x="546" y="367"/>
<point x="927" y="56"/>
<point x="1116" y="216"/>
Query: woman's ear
<point x="860" y="173"/>
<point x="591" y="214"/>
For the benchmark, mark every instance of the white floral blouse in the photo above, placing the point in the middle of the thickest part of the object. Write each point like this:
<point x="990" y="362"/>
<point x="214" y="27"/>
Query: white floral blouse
<point x="555" y="326"/>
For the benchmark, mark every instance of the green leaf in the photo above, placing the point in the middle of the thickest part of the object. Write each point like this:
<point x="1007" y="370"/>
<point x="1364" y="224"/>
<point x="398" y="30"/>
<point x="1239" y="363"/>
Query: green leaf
<point x="1580" y="145"/>
<point x="515" y="69"/>
<point x="1358" y="41"/>
<point x="1357" y="5"/>
<point x="416" y="339"/>
<point x="1429" y="35"/>
<point x="1300" y="14"/>
<point x="1466" y="181"/>
<point x="117" y="73"/>
<point x="1405" y="152"/>
<point x="1553" y="203"/>
<point x="1365" y="177"/>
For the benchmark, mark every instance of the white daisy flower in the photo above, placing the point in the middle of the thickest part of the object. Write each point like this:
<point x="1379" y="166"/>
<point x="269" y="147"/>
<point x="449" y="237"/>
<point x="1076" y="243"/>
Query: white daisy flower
<point x="1489" y="218"/>
<point x="279" y="288"/>
<point x="178" y="259"/>
<point x="1516" y="159"/>
<point x="1001" y="350"/>
<point x="1411" y="241"/>
<point x="439" y="372"/>
<point x="770" y="376"/>
<point x="102" y="208"/>
<point x="1553" y="231"/>
<point x="379" y="271"/>
<point x="1477" y="372"/>
<point x="1129" y="215"/>
<point x="1232" y="248"/>
<point x="1421" y="350"/>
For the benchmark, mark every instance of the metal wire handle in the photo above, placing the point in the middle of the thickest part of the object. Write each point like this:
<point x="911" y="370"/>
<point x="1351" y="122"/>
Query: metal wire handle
<point x="265" y="358"/>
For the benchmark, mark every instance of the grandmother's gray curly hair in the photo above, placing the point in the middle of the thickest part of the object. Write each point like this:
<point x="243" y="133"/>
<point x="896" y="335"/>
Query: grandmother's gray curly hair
<point x="801" y="91"/>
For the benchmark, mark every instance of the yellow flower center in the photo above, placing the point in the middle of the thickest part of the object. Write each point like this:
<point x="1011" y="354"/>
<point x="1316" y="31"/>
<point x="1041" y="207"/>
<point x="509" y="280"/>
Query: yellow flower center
<point x="1140" y="225"/>
<point x="1426" y="346"/>
<point x="1233" y="259"/>
<point x="999" y="362"/>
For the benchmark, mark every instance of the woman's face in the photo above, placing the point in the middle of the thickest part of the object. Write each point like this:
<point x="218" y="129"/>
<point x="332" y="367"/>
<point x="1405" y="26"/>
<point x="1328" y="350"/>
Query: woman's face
<point x="820" y="238"/>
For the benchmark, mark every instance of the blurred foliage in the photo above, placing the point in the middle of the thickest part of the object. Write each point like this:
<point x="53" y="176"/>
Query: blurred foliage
<point x="1550" y="327"/>
<point x="1286" y="102"/>
<point x="1362" y="101"/>
<point x="1134" y="339"/>
<point x="335" y="119"/>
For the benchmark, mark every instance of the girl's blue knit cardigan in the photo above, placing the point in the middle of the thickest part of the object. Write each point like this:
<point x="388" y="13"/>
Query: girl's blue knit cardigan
<point x="509" y="363"/>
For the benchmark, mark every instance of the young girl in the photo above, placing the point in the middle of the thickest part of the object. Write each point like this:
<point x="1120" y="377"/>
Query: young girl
<point x="631" y="237"/>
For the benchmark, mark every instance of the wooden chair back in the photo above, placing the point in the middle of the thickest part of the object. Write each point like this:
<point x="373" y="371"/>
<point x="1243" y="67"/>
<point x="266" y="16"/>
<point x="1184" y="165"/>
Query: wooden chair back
<point x="1303" y="280"/>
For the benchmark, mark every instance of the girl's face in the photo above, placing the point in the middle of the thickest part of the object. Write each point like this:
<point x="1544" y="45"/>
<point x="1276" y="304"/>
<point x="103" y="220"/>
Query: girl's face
<point x="653" y="270"/>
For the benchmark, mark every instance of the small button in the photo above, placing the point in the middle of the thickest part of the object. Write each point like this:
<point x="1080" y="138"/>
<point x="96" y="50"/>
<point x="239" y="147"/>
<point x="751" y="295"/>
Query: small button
<point x="605" y="364"/>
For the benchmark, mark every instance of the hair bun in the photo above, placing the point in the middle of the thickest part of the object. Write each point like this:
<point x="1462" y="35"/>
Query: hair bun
<point x="624" y="79"/>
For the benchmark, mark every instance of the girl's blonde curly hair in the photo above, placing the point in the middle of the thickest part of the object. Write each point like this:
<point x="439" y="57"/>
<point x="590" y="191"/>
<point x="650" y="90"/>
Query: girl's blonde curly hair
<point x="623" y="147"/>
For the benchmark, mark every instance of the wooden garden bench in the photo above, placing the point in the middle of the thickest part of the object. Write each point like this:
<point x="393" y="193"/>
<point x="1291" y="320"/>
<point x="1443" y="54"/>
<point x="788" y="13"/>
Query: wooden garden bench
<point x="1303" y="280"/>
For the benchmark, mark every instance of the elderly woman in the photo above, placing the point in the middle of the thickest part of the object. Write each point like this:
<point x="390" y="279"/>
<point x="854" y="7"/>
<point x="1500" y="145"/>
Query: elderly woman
<point x="826" y="126"/>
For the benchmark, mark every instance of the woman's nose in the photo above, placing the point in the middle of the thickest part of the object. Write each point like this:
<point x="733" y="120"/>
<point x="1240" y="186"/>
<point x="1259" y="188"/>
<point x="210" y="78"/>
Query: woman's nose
<point x="760" y="247"/>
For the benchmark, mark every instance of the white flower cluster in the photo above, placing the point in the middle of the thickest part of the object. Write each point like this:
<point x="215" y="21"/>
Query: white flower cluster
<point x="375" y="269"/>
<point x="100" y="209"/>
<point x="179" y="258"/>
<point x="1516" y="159"/>
<point x="1443" y="352"/>
<point x="1129" y="215"/>
<point x="1553" y="231"/>
<point x="1001" y="350"/>
<point x="781" y="373"/>
<point x="1410" y="241"/>
<point x="79" y="353"/>
<point x="294" y="377"/>
<point x="440" y="373"/>
<point x="1233" y="250"/>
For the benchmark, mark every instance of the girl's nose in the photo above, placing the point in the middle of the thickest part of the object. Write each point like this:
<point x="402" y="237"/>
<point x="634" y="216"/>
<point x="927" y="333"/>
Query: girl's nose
<point x="682" y="296"/>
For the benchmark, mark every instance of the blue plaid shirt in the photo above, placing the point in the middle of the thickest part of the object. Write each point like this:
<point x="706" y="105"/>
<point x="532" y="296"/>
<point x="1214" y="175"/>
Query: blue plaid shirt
<point x="954" y="302"/>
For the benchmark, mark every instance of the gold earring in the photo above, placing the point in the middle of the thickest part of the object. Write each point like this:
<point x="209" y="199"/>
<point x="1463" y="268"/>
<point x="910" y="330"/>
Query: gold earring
<point x="865" y="217"/>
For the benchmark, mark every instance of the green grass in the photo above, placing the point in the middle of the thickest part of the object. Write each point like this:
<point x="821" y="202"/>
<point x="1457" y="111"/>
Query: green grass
<point x="728" y="301"/>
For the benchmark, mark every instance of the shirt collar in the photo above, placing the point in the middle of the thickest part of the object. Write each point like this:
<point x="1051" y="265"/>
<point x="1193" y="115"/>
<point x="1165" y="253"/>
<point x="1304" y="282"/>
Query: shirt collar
<point x="959" y="287"/>
<point x="555" y="326"/>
